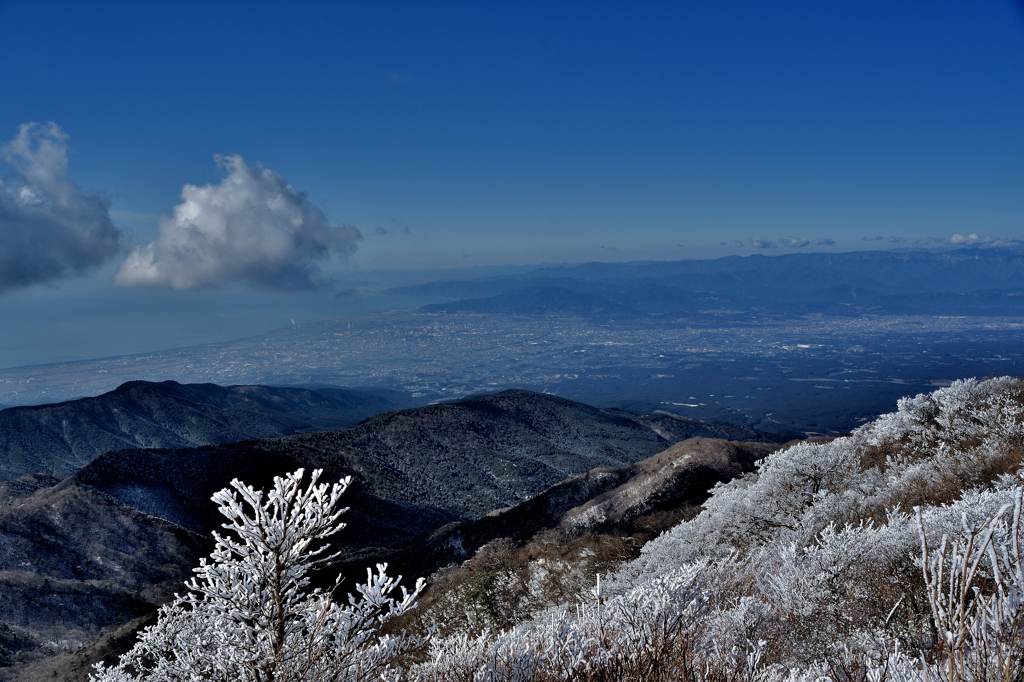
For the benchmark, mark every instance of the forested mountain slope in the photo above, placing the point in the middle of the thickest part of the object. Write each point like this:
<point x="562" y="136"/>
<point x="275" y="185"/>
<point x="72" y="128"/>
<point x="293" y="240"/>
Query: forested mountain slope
<point x="59" y="439"/>
<point x="125" y="529"/>
<point x="457" y="460"/>
<point x="75" y="563"/>
<point x="621" y="501"/>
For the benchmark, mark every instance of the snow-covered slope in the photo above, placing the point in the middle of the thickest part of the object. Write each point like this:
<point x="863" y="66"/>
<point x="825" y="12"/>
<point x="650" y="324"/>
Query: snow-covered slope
<point x="812" y="563"/>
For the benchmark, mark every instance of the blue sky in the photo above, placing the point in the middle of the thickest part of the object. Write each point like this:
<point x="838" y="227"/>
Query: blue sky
<point x="464" y="134"/>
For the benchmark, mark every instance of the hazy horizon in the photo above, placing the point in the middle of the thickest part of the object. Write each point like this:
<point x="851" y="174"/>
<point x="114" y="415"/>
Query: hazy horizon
<point x="66" y="322"/>
<point x="173" y="175"/>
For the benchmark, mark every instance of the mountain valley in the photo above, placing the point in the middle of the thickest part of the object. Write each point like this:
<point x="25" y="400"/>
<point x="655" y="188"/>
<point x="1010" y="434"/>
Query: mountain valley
<point x="83" y="557"/>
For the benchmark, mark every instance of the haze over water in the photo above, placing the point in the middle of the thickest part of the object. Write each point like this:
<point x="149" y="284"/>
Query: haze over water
<point x="45" y="328"/>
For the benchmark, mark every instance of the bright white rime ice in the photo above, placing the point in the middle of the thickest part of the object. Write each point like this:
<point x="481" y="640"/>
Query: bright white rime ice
<point x="811" y="568"/>
<point x="249" y="615"/>
<point x="251" y="227"/>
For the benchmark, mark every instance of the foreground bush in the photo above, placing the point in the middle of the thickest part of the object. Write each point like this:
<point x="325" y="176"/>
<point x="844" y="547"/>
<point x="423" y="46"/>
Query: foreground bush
<point x="249" y="614"/>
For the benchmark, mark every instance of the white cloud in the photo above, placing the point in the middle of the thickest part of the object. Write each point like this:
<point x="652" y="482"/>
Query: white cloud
<point x="49" y="229"/>
<point x="826" y="241"/>
<point x="251" y="227"/>
<point x="969" y="240"/>
<point x="794" y="242"/>
<point x="758" y="243"/>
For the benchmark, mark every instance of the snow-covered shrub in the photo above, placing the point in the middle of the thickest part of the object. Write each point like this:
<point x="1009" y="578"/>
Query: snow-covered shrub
<point x="670" y="627"/>
<point x="647" y="634"/>
<point x="505" y="584"/>
<point x="936" y="448"/>
<point x="249" y="614"/>
<point x="811" y="567"/>
<point x="975" y="588"/>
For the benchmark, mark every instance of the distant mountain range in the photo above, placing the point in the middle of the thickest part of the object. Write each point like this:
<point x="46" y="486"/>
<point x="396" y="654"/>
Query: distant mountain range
<point x="967" y="269"/>
<point x="58" y="439"/>
<point x="100" y="549"/>
<point x="972" y="281"/>
<point x="416" y="469"/>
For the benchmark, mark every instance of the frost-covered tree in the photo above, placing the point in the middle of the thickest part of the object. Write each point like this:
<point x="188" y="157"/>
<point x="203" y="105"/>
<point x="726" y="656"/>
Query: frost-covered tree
<point x="249" y="614"/>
